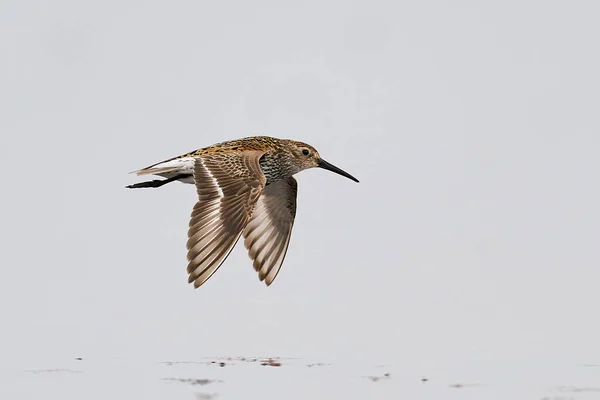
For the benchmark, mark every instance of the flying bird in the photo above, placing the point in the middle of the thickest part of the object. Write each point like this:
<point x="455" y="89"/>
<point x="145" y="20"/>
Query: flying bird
<point x="245" y="187"/>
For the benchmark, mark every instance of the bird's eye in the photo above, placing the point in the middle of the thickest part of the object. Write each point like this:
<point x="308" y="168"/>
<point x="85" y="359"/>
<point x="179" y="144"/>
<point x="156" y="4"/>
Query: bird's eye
<point x="305" y="152"/>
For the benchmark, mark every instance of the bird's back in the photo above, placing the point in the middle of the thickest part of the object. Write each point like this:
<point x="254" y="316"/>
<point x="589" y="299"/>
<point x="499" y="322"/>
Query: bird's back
<point x="185" y="162"/>
<point x="260" y="143"/>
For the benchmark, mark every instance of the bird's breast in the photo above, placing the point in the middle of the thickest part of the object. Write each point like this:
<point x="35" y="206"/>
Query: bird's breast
<point x="274" y="168"/>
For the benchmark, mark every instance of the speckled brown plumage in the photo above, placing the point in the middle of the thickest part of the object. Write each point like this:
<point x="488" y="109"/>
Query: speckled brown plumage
<point x="245" y="188"/>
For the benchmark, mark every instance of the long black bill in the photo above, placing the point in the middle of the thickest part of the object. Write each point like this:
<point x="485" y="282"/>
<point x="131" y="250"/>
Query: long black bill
<point x="330" y="167"/>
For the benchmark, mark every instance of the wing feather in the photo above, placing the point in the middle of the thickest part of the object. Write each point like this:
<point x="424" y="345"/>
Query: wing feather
<point x="228" y="186"/>
<point x="267" y="234"/>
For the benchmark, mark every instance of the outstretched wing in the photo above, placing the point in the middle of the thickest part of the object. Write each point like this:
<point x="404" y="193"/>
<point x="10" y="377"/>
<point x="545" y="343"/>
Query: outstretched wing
<point x="268" y="232"/>
<point x="228" y="185"/>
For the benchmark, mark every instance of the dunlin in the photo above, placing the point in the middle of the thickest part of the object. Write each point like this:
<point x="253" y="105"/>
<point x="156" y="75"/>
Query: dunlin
<point x="245" y="187"/>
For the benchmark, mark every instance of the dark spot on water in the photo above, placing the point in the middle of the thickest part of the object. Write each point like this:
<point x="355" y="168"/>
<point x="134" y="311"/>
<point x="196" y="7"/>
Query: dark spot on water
<point x="463" y="385"/>
<point x="270" y="363"/>
<point x="379" y="378"/>
<point x="191" y="381"/>
<point x="317" y="365"/>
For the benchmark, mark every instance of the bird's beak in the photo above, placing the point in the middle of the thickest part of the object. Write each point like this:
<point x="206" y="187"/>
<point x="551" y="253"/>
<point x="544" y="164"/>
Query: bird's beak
<point x="330" y="167"/>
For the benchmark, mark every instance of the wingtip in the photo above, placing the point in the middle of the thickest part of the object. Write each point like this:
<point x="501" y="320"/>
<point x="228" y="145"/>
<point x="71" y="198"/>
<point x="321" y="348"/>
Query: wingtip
<point x="196" y="284"/>
<point x="197" y="281"/>
<point x="267" y="280"/>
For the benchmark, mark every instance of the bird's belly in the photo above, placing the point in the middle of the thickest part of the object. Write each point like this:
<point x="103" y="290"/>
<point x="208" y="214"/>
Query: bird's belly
<point x="186" y="179"/>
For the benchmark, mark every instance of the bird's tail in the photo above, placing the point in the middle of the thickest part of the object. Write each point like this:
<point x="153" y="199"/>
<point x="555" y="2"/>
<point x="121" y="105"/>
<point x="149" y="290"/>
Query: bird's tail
<point x="157" y="182"/>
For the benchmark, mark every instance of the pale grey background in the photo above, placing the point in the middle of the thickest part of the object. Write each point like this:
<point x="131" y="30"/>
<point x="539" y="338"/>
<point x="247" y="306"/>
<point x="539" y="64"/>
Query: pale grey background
<point x="473" y="127"/>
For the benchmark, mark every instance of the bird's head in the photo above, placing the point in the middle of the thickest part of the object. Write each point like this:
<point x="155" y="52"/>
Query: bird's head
<point x="304" y="156"/>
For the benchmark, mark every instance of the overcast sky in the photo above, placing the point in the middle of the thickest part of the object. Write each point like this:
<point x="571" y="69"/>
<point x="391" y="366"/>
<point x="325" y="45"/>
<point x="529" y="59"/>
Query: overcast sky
<point x="472" y="126"/>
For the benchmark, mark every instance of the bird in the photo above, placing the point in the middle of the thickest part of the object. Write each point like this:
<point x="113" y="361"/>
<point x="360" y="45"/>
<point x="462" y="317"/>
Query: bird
<point x="245" y="188"/>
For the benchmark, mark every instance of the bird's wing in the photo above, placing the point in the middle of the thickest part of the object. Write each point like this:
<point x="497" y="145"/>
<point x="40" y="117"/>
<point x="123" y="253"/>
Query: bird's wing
<point x="267" y="234"/>
<point x="228" y="185"/>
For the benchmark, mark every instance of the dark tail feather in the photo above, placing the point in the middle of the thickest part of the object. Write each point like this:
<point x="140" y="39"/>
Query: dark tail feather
<point x="156" y="183"/>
